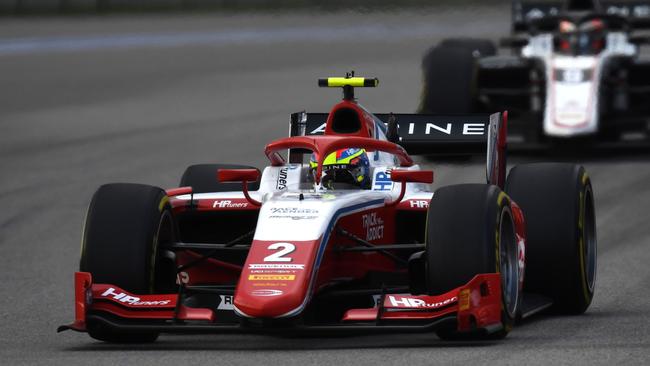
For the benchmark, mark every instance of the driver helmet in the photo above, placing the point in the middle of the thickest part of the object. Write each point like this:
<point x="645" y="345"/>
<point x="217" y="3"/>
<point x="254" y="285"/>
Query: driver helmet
<point x="349" y="166"/>
<point x="567" y="26"/>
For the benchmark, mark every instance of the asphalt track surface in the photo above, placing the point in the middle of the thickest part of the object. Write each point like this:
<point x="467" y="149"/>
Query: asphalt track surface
<point x="87" y="101"/>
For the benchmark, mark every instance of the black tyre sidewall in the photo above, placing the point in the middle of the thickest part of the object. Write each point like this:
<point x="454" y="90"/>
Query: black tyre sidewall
<point x="449" y="84"/>
<point x="462" y="239"/>
<point x="484" y="47"/>
<point x="450" y="75"/>
<point x="120" y="244"/>
<point x="552" y="197"/>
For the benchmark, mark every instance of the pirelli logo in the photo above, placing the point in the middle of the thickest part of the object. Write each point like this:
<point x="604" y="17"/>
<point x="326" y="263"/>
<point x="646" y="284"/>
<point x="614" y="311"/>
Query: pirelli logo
<point x="263" y="277"/>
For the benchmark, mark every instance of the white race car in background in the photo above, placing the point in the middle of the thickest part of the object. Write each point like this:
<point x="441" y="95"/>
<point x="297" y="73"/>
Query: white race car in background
<point x="575" y="73"/>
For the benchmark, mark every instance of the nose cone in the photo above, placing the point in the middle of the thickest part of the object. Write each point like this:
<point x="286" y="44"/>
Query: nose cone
<point x="276" y="277"/>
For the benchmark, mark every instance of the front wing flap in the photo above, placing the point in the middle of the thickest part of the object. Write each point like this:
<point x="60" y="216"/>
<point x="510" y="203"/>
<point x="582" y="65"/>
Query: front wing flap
<point x="473" y="306"/>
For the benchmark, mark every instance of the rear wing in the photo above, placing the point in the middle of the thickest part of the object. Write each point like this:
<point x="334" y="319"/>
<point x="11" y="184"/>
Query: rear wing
<point x="635" y="13"/>
<point x="423" y="134"/>
<point x="524" y="12"/>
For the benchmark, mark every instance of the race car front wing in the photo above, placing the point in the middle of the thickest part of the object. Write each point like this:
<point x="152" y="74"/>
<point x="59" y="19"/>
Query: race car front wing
<point x="475" y="306"/>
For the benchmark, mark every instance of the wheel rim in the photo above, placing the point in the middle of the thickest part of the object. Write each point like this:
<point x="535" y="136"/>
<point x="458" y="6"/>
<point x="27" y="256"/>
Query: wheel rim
<point x="589" y="237"/>
<point x="508" y="267"/>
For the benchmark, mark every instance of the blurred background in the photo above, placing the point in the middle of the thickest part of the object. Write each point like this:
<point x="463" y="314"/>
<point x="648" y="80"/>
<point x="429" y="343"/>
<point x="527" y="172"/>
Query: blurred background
<point x="98" y="91"/>
<point x="103" y="6"/>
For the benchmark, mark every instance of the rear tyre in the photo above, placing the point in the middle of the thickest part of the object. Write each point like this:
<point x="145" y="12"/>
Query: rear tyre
<point x="558" y="206"/>
<point x="450" y="72"/>
<point x="127" y="226"/>
<point x="480" y="47"/>
<point x="467" y="225"/>
<point x="203" y="178"/>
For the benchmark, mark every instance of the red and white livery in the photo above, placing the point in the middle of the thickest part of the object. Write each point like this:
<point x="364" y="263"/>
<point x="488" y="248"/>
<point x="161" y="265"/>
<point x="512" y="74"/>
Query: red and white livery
<point x="238" y="250"/>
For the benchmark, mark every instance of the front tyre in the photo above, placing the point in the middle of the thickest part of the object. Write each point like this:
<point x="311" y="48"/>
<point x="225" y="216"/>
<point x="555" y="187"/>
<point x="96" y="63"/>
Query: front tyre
<point x="127" y="226"/>
<point x="470" y="230"/>
<point x="558" y="205"/>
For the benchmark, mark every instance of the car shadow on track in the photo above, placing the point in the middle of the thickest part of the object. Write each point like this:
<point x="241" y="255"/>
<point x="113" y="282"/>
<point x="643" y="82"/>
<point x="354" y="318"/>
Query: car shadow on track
<point x="565" y="154"/>
<point x="271" y="343"/>
<point x="250" y="342"/>
<point x="582" y="154"/>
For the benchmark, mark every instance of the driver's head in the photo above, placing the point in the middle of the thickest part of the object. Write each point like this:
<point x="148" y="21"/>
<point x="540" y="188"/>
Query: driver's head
<point x="566" y="26"/>
<point x="349" y="166"/>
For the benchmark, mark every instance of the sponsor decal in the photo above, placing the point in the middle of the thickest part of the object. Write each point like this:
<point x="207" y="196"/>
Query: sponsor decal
<point x="521" y="261"/>
<point x="266" y="277"/>
<point x="319" y="130"/>
<point x="182" y="277"/>
<point x="282" y="179"/>
<point x="466" y="129"/>
<point x="573" y="75"/>
<point x="376" y="299"/>
<point x="270" y="284"/>
<point x="409" y="302"/>
<point x="305" y="217"/>
<point x="276" y="271"/>
<point x="464" y="299"/>
<point x="374" y="226"/>
<point x="382" y="181"/>
<point x="419" y="203"/>
<point x="229" y="204"/>
<point x="293" y="210"/>
<point x="131" y="300"/>
<point x="293" y="213"/>
<point x="266" y="293"/>
<point x="276" y="266"/>
<point x="226" y="303"/>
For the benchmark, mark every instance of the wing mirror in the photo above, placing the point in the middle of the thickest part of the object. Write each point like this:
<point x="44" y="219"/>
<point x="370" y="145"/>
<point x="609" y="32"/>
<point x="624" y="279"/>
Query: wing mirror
<point x="409" y="176"/>
<point x="412" y="176"/>
<point x="238" y="175"/>
<point x="241" y="175"/>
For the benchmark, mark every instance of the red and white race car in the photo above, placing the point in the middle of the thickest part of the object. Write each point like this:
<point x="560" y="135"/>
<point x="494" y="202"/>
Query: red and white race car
<point x="298" y="249"/>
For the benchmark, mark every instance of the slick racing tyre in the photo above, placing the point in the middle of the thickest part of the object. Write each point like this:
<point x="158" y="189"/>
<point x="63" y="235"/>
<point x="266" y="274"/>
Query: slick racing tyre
<point x="203" y="178"/>
<point x="467" y="225"/>
<point x="127" y="226"/>
<point x="450" y="72"/>
<point x="480" y="47"/>
<point x="558" y="206"/>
